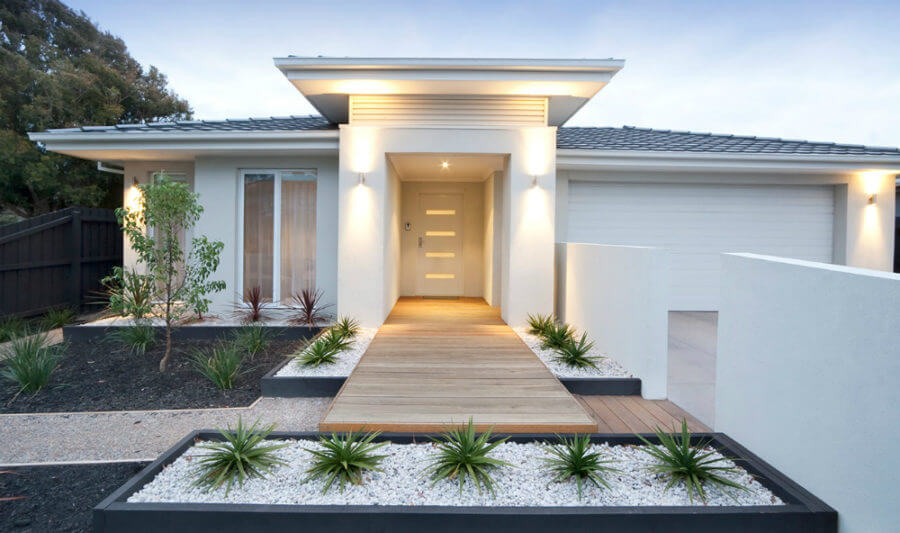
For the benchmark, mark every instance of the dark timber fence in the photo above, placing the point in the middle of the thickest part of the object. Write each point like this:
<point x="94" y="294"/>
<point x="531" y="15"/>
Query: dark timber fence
<point x="57" y="259"/>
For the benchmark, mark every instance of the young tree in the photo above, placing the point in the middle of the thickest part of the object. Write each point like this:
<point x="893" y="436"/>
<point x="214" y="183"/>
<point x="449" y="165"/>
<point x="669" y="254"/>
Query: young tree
<point x="180" y="279"/>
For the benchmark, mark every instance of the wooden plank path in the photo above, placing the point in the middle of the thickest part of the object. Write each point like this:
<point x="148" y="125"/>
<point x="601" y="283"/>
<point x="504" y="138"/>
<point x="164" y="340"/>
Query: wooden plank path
<point x="439" y="362"/>
<point x="633" y="414"/>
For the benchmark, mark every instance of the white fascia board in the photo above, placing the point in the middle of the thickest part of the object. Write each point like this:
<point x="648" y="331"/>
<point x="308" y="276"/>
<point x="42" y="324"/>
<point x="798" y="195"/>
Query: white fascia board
<point x="579" y="159"/>
<point x="186" y="136"/>
<point x="448" y="63"/>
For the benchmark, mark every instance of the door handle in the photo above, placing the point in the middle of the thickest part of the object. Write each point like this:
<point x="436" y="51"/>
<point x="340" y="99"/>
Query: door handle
<point x="421" y="241"/>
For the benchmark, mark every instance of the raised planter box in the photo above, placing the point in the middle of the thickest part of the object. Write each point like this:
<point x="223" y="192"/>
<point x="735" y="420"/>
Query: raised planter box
<point x="189" y="333"/>
<point x="299" y="386"/>
<point x="802" y="512"/>
<point x="315" y="386"/>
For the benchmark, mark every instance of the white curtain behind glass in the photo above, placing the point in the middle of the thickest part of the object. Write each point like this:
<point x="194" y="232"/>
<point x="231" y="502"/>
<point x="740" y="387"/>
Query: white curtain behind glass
<point x="298" y="233"/>
<point x="259" y="224"/>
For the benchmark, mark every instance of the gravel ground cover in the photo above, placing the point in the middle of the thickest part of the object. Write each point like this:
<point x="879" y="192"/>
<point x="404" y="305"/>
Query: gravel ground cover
<point x="606" y="367"/>
<point x="137" y="435"/>
<point x="60" y="497"/>
<point x="347" y="359"/>
<point x="401" y="482"/>
<point x="102" y="376"/>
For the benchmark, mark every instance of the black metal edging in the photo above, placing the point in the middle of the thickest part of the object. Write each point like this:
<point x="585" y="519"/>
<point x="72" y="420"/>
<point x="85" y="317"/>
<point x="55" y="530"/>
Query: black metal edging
<point x="299" y="386"/>
<point x="802" y="512"/>
<point x="603" y="386"/>
<point x="189" y="333"/>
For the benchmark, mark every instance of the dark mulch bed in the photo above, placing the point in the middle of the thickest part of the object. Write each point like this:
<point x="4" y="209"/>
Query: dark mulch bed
<point x="58" y="498"/>
<point x="102" y="376"/>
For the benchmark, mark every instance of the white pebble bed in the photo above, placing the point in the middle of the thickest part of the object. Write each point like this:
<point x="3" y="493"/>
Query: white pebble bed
<point x="346" y="360"/>
<point x="606" y="367"/>
<point x="271" y="317"/>
<point x="402" y="482"/>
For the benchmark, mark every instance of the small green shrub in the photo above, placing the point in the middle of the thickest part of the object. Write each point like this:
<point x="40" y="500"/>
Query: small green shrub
<point x="464" y="456"/>
<point x="346" y="327"/>
<point x="252" y="340"/>
<point x="539" y="324"/>
<point x="557" y="335"/>
<point x="11" y="328"/>
<point x="29" y="361"/>
<point x="240" y="456"/>
<point x="138" y="338"/>
<point x="572" y="458"/>
<point x="574" y="353"/>
<point x="221" y="364"/>
<point x="688" y="464"/>
<point x="317" y="352"/>
<point x="58" y="317"/>
<point x="128" y="293"/>
<point x="344" y="459"/>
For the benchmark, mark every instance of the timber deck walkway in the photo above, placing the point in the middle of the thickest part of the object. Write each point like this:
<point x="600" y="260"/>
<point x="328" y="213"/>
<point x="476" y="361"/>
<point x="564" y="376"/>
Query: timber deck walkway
<point x="439" y="362"/>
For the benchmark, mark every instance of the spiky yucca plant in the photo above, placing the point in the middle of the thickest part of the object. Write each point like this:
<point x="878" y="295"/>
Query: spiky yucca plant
<point x="691" y="465"/>
<point x="310" y="307"/>
<point x="240" y="456"/>
<point x="336" y="340"/>
<point x="464" y="456"/>
<point x="317" y="352"/>
<point x="539" y="324"/>
<point x="574" y="353"/>
<point x="344" y="458"/>
<point x="557" y="335"/>
<point x="347" y="327"/>
<point x="573" y="458"/>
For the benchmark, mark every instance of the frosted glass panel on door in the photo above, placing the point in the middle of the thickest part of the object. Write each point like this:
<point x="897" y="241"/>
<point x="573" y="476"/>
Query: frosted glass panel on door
<point x="298" y="233"/>
<point x="259" y="220"/>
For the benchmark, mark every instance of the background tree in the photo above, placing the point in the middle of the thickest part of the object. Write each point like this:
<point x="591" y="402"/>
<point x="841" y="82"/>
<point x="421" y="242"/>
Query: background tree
<point x="57" y="70"/>
<point x="179" y="279"/>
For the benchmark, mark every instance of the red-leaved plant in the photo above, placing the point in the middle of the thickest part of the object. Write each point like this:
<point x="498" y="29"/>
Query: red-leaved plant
<point x="254" y="306"/>
<point x="310" y="307"/>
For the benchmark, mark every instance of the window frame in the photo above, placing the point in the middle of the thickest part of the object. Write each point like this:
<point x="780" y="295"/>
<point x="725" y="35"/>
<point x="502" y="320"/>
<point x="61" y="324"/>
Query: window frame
<point x="276" y="230"/>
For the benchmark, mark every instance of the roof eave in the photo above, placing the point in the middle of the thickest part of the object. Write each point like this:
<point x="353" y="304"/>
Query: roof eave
<point x="568" y="158"/>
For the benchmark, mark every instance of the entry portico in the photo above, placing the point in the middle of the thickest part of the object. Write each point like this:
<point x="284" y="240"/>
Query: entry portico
<point x="451" y="109"/>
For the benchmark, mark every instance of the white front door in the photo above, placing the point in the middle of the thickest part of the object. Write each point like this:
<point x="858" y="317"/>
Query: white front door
<point x="439" y="261"/>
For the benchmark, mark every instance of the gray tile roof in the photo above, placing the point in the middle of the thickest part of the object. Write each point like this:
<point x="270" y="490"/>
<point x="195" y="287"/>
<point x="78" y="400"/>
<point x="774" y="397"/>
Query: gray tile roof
<point x="632" y="138"/>
<point x="291" y="123"/>
<point x="605" y="138"/>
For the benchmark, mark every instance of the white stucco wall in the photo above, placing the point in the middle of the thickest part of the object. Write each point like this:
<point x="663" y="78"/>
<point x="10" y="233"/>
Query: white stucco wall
<point x="528" y="221"/>
<point x="619" y="296"/>
<point x="216" y="179"/>
<point x="393" y="212"/>
<point x="807" y="377"/>
<point x="867" y="231"/>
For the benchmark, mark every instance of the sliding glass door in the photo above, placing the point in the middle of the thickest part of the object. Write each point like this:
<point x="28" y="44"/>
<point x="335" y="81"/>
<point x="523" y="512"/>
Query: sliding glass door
<point x="279" y="232"/>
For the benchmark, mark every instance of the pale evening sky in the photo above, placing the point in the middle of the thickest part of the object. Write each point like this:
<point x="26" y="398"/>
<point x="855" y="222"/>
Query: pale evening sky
<point x="823" y="70"/>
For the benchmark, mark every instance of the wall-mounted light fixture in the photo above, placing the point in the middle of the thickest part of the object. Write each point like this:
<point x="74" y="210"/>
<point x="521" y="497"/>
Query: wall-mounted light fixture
<point x="362" y="178"/>
<point x="534" y="180"/>
<point x="872" y="199"/>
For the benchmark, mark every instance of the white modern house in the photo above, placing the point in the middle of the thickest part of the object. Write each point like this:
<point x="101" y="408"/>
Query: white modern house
<point x="456" y="177"/>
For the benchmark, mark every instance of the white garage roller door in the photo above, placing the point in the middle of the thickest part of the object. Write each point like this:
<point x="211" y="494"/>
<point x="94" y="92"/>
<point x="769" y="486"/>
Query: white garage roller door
<point x="697" y="222"/>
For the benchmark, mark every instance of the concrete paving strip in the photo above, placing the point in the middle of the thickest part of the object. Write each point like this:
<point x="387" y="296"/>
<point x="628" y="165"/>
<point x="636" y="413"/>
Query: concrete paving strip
<point x="91" y="437"/>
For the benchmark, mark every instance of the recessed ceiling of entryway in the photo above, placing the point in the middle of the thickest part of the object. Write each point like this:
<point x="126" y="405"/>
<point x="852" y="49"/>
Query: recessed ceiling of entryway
<point x="459" y="167"/>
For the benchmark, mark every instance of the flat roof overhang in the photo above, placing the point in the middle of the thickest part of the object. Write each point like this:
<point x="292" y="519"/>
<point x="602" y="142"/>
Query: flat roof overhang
<point x="327" y="82"/>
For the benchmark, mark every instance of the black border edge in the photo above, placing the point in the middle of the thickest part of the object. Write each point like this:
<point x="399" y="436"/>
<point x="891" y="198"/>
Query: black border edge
<point x="801" y="508"/>
<point x="298" y="386"/>
<point x="189" y="333"/>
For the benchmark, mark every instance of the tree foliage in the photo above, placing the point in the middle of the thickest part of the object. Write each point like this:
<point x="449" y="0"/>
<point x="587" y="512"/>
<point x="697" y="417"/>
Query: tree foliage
<point x="179" y="278"/>
<point x="59" y="70"/>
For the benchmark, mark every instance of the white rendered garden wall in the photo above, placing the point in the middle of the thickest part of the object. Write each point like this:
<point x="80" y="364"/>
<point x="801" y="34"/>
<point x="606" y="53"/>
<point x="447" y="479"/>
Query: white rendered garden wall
<point x="807" y="377"/>
<point x="619" y="296"/>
